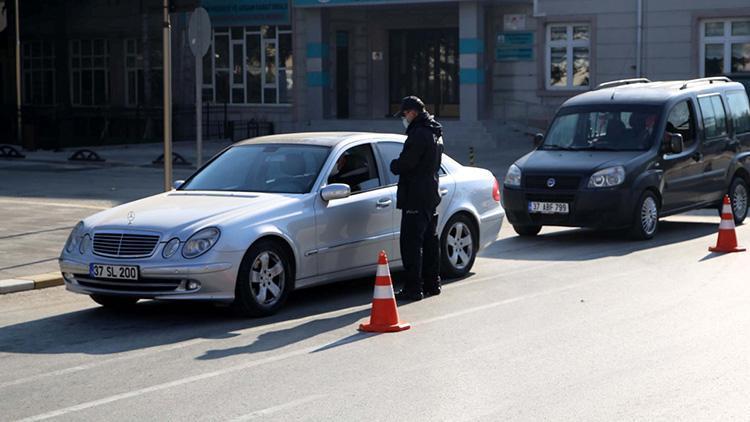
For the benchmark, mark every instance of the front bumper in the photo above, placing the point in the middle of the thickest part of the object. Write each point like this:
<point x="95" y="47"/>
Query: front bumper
<point x="156" y="280"/>
<point x="605" y="208"/>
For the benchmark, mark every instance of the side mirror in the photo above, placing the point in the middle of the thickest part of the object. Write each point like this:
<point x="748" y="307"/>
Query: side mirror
<point x="335" y="191"/>
<point x="177" y="183"/>
<point x="538" y="140"/>
<point x="674" y="143"/>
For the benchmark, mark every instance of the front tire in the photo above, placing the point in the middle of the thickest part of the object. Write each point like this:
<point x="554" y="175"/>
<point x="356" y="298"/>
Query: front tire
<point x="458" y="246"/>
<point x="646" y="217"/>
<point x="738" y="194"/>
<point x="115" y="302"/>
<point x="264" y="281"/>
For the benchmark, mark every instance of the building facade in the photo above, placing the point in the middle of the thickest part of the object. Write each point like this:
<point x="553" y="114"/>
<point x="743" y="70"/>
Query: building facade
<point x="345" y="64"/>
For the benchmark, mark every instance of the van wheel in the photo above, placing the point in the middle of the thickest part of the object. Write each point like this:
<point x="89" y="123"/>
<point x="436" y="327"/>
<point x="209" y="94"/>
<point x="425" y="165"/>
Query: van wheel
<point x="738" y="194"/>
<point x="646" y="217"/>
<point x="264" y="281"/>
<point x="527" y="231"/>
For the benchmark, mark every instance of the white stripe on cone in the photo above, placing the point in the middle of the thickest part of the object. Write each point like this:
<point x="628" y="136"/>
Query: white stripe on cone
<point x="383" y="271"/>
<point x="726" y="209"/>
<point x="726" y="225"/>
<point x="383" y="292"/>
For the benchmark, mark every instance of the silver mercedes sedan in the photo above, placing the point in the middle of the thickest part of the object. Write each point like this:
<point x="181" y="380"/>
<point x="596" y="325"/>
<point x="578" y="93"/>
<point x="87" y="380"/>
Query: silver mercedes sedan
<point x="270" y="215"/>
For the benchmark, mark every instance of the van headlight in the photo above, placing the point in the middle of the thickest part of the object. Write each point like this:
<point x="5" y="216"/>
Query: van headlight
<point x="74" y="238"/>
<point x="513" y="176"/>
<point x="200" y="242"/>
<point x="608" y="177"/>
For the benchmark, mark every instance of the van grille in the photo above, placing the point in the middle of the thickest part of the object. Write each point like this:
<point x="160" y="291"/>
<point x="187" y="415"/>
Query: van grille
<point x="124" y="245"/>
<point x="561" y="182"/>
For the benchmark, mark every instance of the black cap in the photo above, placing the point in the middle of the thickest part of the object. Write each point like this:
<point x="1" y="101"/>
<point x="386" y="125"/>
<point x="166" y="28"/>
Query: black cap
<point x="410" y="103"/>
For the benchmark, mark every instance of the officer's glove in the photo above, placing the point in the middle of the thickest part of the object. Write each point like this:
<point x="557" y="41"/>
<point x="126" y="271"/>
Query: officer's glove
<point x="394" y="167"/>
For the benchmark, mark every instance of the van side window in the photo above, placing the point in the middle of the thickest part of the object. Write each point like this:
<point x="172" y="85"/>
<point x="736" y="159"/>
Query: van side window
<point x="680" y="121"/>
<point x="740" y="109"/>
<point x="714" y="117"/>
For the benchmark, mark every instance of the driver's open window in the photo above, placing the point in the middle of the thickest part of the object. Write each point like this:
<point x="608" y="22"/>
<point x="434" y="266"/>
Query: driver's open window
<point x="681" y="121"/>
<point x="357" y="168"/>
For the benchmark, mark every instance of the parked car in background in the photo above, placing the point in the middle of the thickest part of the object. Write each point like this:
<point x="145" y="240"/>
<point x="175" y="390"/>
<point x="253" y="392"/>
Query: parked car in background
<point x="270" y="215"/>
<point x="634" y="151"/>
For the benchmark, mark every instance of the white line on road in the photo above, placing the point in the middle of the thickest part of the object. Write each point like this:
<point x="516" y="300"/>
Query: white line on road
<point x="54" y="204"/>
<point x="276" y="409"/>
<point x="247" y="365"/>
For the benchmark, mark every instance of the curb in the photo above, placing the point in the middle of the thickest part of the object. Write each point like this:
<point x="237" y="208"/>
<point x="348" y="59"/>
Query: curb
<point x="34" y="282"/>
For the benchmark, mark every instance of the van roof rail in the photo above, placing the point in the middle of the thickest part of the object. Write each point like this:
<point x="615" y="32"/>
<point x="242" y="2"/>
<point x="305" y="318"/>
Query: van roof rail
<point x="612" y="84"/>
<point x="709" y="80"/>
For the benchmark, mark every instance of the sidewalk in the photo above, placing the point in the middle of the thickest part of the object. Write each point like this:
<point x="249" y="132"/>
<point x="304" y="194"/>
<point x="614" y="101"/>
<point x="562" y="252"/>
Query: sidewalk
<point x="44" y="195"/>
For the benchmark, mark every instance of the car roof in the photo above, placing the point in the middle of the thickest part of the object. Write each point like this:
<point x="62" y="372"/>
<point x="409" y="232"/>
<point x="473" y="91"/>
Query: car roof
<point x="650" y="93"/>
<point x="327" y="139"/>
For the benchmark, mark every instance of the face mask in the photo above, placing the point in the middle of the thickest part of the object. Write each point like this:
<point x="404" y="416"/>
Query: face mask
<point x="405" y="122"/>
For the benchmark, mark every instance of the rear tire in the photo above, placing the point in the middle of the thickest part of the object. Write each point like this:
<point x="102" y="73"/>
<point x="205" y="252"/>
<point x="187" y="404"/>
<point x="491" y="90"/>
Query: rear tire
<point x="115" y="302"/>
<point x="459" y="243"/>
<point x="738" y="194"/>
<point x="264" y="281"/>
<point x="645" y="217"/>
<point x="527" y="231"/>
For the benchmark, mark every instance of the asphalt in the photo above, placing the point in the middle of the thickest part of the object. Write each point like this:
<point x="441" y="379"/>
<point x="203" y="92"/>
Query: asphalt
<point x="572" y="325"/>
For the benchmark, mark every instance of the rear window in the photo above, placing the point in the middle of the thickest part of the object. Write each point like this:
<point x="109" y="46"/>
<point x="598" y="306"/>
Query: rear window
<point x="740" y="109"/>
<point x="714" y="117"/>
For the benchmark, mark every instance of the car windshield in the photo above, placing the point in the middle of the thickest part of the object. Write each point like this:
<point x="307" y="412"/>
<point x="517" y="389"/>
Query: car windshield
<point x="275" y="168"/>
<point x="603" y="128"/>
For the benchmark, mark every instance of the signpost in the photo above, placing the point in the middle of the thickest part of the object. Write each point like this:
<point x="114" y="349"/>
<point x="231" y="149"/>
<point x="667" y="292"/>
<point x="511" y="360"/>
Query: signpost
<point x="199" y="36"/>
<point x="167" y="75"/>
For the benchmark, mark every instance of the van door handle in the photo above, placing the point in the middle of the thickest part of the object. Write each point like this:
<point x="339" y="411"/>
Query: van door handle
<point x="384" y="203"/>
<point x="697" y="156"/>
<point x="443" y="192"/>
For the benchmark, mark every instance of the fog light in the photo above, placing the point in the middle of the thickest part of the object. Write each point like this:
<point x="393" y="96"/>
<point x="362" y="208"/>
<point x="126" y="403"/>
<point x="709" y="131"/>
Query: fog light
<point x="193" y="285"/>
<point x="68" y="277"/>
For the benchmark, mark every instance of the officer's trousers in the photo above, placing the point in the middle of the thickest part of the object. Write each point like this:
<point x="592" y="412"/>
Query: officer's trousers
<point x="420" y="250"/>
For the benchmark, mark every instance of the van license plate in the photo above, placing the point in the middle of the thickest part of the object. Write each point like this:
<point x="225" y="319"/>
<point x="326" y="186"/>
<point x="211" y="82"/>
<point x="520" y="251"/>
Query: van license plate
<point x="114" y="272"/>
<point x="549" y="208"/>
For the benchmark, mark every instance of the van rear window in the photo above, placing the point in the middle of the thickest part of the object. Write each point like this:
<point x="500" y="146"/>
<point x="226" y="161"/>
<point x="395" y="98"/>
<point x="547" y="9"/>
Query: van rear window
<point x="714" y="118"/>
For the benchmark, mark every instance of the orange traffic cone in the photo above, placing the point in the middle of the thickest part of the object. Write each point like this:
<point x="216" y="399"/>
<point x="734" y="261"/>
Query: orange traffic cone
<point x="384" y="314"/>
<point x="727" y="237"/>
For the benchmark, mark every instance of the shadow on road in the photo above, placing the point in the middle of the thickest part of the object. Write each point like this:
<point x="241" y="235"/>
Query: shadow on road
<point x="585" y="244"/>
<point x="99" y="331"/>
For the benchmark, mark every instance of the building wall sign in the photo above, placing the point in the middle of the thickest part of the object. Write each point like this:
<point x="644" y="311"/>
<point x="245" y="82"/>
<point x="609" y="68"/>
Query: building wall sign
<point x="247" y="12"/>
<point x="514" y="22"/>
<point x="514" y="46"/>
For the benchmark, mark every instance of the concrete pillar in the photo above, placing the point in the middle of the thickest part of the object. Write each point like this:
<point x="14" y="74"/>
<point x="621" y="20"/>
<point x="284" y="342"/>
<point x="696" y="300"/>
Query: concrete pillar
<point x="317" y="77"/>
<point x="471" y="59"/>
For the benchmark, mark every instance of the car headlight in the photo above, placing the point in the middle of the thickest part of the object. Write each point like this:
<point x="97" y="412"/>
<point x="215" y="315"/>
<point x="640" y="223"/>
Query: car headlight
<point x="74" y="238"/>
<point x="201" y="242"/>
<point x="170" y="248"/>
<point x="606" y="178"/>
<point x="85" y="243"/>
<point x="513" y="177"/>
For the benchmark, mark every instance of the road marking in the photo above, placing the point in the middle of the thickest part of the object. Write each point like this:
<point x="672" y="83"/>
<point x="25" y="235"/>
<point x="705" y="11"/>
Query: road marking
<point x="276" y="409"/>
<point x="36" y="232"/>
<point x="252" y="364"/>
<point x="55" y="204"/>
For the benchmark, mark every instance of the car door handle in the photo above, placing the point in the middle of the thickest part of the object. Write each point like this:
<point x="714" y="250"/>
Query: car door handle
<point x="443" y="192"/>
<point x="384" y="203"/>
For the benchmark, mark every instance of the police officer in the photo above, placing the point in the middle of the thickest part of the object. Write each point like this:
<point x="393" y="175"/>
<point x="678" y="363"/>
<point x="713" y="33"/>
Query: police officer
<point x="418" y="197"/>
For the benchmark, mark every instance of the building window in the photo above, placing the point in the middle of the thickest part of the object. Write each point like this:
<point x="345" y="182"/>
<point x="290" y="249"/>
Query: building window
<point x="38" y="73"/>
<point x="249" y="65"/>
<point x="135" y="84"/>
<point x="725" y="46"/>
<point x="89" y="72"/>
<point x="568" y="56"/>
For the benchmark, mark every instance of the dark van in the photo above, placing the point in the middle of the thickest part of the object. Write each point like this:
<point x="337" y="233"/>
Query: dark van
<point x="631" y="152"/>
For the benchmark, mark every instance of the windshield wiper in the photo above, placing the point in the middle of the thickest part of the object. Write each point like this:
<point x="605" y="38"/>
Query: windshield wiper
<point x="558" y="148"/>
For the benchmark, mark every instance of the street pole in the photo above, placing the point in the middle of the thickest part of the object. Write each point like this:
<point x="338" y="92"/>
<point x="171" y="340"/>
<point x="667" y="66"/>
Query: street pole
<point x="167" y="65"/>
<point x="198" y="103"/>
<point x="19" y="138"/>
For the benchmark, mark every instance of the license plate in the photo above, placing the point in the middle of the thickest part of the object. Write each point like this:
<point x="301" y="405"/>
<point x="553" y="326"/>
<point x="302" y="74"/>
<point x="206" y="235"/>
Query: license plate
<point x="115" y="272"/>
<point x="549" y="208"/>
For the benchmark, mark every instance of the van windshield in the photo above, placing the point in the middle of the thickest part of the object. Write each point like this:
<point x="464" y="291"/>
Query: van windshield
<point x="603" y="128"/>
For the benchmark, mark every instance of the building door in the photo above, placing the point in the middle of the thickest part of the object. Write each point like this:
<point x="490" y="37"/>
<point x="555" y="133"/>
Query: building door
<point x="342" y="74"/>
<point x="424" y="62"/>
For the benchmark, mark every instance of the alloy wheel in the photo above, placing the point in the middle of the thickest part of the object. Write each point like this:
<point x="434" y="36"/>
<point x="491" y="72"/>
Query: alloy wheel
<point x="649" y="215"/>
<point x="460" y="245"/>
<point x="267" y="278"/>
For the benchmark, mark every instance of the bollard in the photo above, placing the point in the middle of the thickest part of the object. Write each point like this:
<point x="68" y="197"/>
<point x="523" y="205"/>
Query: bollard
<point x="471" y="156"/>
